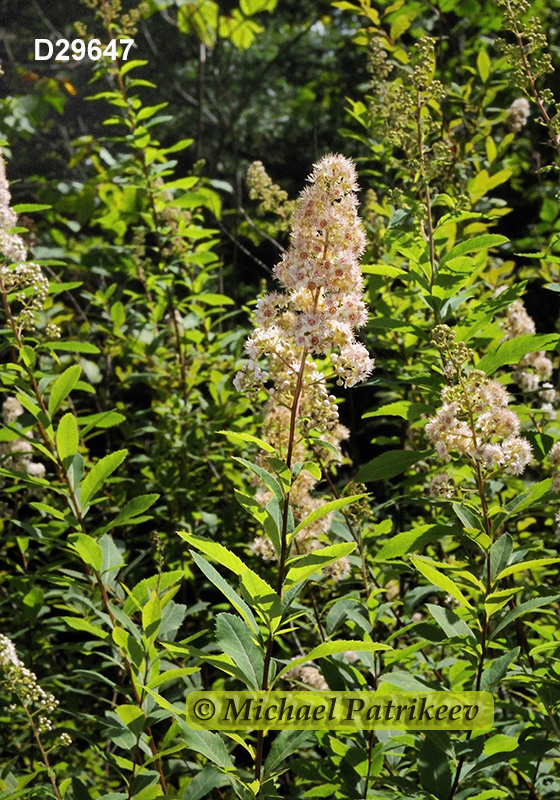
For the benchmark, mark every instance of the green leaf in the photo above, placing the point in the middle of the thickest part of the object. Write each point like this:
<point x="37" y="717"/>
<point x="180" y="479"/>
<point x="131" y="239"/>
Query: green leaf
<point x="62" y="387"/>
<point x="215" y="550"/>
<point x="535" y="563"/>
<point x="440" y="580"/>
<point x="151" y="616"/>
<point x="236" y="640"/>
<point x="237" y="602"/>
<point x="474" y="244"/>
<point x="268" y="479"/>
<point x="79" y="624"/>
<point x="449" y="622"/>
<point x="286" y="743"/>
<point x="499" y="554"/>
<point x="29" y="208"/>
<point x="67" y="438"/>
<point x="410" y="541"/>
<point x="133" y="717"/>
<point x="402" y="408"/>
<point x="513" y="350"/>
<point x="134" y="508"/>
<point x="250" y="7"/>
<point x="99" y="473"/>
<point x="328" y="508"/>
<point x="314" y="562"/>
<point x="73" y="347"/>
<point x="88" y="550"/>
<point x="237" y="437"/>
<point x="331" y="648"/>
<point x="483" y="65"/>
<point x="207" y="743"/>
<point x="434" y="769"/>
<point x="494" y="673"/>
<point x="389" y="464"/>
<point x="523" y="608"/>
<point x="203" y="782"/>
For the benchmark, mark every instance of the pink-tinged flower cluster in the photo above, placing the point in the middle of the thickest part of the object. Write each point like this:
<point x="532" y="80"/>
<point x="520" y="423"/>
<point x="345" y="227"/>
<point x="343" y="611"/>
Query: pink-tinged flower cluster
<point x="17" y="453"/>
<point x="16" y="274"/>
<point x="534" y="370"/>
<point x="474" y="421"/>
<point x="554" y="456"/>
<point x="322" y="304"/>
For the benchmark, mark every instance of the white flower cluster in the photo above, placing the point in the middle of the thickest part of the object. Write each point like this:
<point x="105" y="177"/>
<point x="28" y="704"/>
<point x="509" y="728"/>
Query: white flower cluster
<point x="16" y="273"/>
<point x="479" y="426"/>
<point x="17" y="453"/>
<point x="518" y="114"/>
<point x="322" y="303"/>
<point x="534" y="369"/>
<point x="23" y="683"/>
<point x="308" y="675"/>
<point x="442" y="485"/>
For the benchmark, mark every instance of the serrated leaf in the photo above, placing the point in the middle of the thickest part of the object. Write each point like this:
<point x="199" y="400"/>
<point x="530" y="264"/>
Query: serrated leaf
<point x="88" y="550"/>
<point x="236" y="640"/>
<point x="449" y="622"/>
<point x="332" y="648"/>
<point x="237" y="602"/>
<point x="440" y="580"/>
<point x="314" y="562"/>
<point x="513" y="350"/>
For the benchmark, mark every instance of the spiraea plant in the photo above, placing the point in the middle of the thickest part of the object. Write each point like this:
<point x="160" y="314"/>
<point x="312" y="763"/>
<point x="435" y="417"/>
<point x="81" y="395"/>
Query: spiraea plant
<point x="304" y="338"/>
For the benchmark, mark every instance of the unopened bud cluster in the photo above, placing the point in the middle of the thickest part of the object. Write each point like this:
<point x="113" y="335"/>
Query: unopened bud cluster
<point x="17" y="453"/>
<point x="322" y="302"/>
<point x="474" y="420"/>
<point x="272" y="199"/>
<point x="17" y="275"/>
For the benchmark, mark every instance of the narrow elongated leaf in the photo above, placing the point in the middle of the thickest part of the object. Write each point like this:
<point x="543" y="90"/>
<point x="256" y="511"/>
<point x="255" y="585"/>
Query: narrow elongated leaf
<point x="62" y="387"/>
<point x="524" y="608"/>
<point x="331" y="648"/>
<point x="236" y="640"/>
<point x="316" y="561"/>
<point x="434" y="769"/>
<point x="237" y="602"/>
<point x="99" y="473"/>
<point x="494" y="673"/>
<point x="535" y="563"/>
<point x="328" y="508"/>
<point x="474" y="244"/>
<point x="439" y="579"/>
<point x="513" y="350"/>
<point x="449" y="622"/>
<point x="88" y="550"/>
<point x="286" y="743"/>
<point x="389" y="464"/>
<point x="416" y="539"/>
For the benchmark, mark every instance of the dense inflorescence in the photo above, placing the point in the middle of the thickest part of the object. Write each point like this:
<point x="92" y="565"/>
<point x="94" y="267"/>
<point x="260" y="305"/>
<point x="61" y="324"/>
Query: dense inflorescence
<point x="321" y="305"/>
